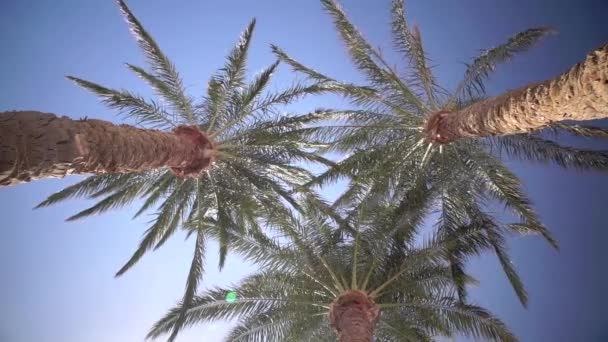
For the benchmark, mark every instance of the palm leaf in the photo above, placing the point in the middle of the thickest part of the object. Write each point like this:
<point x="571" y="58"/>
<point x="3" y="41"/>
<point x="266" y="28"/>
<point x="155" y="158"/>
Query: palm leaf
<point x="165" y="221"/>
<point x="87" y="187"/>
<point x="478" y="71"/>
<point x="194" y="276"/>
<point x="585" y="131"/>
<point x="117" y="199"/>
<point x="409" y="42"/>
<point x="163" y="89"/>
<point x="162" y="67"/>
<point x="131" y="105"/>
<point x="509" y="269"/>
<point x="363" y="56"/>
<point x="530" y="147"/>
<point x="231" y="77"/>
<point x="299" y="67"/>
<point x="246" y="98"/>
<point x="470" y="320"/>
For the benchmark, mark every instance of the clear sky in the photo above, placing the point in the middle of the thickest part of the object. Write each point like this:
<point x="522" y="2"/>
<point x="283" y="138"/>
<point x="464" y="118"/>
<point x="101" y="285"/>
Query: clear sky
<point x="56" y="280"/>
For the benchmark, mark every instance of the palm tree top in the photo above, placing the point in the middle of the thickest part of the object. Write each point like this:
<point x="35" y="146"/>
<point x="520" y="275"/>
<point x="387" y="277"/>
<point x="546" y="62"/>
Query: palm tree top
<point x="247" y="166"/>
<point x="390" y="133"/>
<point x="316" y="266"/>
<point x="410" y="99"/>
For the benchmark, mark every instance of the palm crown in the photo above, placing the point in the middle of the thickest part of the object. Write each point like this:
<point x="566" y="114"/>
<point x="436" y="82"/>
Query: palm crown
<point x="307" y="273"/>
<point x="253" y="151"/>
<point x="389" y="136"/>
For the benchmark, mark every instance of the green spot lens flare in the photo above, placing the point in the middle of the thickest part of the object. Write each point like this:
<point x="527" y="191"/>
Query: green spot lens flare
<point x="231" y="297"/>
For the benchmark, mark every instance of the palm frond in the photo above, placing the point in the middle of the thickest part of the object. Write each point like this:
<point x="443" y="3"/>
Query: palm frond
<point x="585" y="131"/>
<point x="88" y="187"/>
<point x="290" y="94"/>
<point x="257" y="295"/>
<point x="263" y="327"/>
<point x="235" y="67"/>
<point x="228" y="79"/>
<point x="245" y="100"/>
<point x="185" y="194"/>
<point x="409" y="42"/>
<point x="166" y="221"/>
<point x="360" y="51"/>
<point x="175" y="99"/>
<point x="505" y="187"/>
<point x="131" y="105"/>
<point x="478" y="71"/>
<point x="533" y="148"/>
<point x="299" y="67"/>
<point x="156" y="191"/>
<point x="469" y="320"/>
<point x="393" y="329"/>
<point x="363" y="56"/>
<point x="224" y="222"/>
<point x="194" y="276"/>
<point x="161" y="65"/>
<point x="507" y="266"/>
<point x="125" y="195"/>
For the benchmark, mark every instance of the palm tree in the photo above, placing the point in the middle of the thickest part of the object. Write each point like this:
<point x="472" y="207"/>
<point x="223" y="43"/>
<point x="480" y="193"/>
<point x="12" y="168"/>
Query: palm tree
<point x="229" y="156"/>
<point x="386" y="139"/>
<point x="183" y="136"/>
<point x="581" y="93"/>
<point x="362" y="285"/>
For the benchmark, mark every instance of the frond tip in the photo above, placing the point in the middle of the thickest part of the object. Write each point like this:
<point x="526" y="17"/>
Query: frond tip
<point x="160" y="63"/>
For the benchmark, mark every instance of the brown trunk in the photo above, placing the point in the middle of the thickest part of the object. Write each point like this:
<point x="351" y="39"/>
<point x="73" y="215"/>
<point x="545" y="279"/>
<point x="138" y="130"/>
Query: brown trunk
<point x="36" y="145"/>
<point x="353" y="315"/>
<point x="579" y="94"/>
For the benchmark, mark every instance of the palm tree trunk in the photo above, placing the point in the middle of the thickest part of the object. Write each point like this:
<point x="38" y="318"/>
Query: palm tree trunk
<point x="36" y="145"/>
<point x="579" y="94"/>
<point x="353" y="315"/>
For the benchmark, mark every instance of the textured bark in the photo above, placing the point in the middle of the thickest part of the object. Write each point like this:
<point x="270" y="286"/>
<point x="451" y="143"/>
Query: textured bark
<point x="36" y="145"/>
<point x="354" y="315"/>
<point x="579" y="94"/>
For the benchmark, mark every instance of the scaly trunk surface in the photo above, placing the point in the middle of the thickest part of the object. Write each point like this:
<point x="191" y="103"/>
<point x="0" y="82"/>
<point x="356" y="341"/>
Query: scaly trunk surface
<point x="35" y="145"/>
<point x="353" y="315"/>
<point x="579" y="94"/>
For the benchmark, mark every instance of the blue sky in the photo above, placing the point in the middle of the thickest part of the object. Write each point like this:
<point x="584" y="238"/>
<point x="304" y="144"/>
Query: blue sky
<point x="57" y="278"/>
